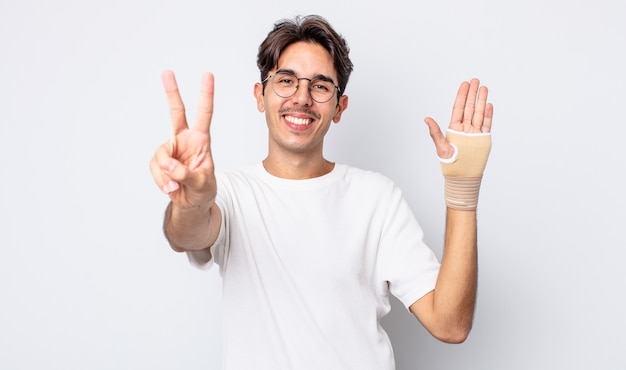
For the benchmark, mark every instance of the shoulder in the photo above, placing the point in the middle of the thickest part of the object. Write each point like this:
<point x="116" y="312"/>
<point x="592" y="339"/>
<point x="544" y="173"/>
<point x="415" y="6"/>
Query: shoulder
<point x="363" y="177"/>
<point x="244" y="173"/>
<point x="236" y="183"/>
<point x="368" y="186"/>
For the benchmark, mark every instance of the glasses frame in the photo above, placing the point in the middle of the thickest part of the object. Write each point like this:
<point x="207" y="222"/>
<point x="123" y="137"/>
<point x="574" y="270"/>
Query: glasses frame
<point x="298" y="85"/>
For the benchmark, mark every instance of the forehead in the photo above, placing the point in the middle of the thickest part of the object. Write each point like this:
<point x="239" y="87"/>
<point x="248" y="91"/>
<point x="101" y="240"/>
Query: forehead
<point x="307" y="59"/>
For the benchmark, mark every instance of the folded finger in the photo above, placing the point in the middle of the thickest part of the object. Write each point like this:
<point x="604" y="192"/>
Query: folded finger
<point x="160" y="177"/>
<point x="162" y="180"/>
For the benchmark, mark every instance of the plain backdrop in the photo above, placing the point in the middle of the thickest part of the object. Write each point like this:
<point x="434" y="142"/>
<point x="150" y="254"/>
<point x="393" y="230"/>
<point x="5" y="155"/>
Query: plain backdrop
<point x="87" y="280"/>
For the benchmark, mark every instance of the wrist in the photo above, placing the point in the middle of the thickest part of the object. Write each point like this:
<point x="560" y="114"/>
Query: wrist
<point x="463" y="172"/>
<point x="187" y="227"/>
<point x="462" y="192"/>
<point x="191" y="207"/>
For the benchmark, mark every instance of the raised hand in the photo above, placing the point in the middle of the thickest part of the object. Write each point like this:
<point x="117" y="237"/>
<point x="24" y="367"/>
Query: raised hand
<point x="465" y="148"/>
<point x="183" y="167"/>
<point x="471" y="114"/>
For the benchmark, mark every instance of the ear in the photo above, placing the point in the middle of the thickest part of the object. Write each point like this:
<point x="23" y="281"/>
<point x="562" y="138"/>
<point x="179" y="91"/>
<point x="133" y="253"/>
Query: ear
<point x="341" y="107"/>
<point x="258" y="94"/>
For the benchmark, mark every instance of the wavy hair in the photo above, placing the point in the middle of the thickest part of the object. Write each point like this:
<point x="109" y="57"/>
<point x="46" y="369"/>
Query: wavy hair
<point x="311" y="28"/>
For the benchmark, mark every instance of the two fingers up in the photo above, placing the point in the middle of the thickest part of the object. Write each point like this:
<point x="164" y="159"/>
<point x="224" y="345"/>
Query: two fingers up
<point x="183" y="167"/>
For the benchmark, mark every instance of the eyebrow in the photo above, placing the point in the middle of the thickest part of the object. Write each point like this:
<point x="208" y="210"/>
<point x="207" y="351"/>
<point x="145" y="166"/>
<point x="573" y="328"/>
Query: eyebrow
<point x="318" y="76"/>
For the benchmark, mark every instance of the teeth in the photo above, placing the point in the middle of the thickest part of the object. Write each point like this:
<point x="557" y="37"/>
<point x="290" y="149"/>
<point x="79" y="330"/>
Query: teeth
<point x="298" y="121"/>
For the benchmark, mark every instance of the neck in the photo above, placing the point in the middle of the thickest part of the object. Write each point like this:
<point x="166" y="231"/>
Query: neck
<point x="297" y="168"/>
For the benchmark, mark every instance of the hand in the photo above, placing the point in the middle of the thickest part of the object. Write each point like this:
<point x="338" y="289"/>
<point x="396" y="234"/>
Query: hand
<point x="470" y="114"/>
<point x="183" y="167"/>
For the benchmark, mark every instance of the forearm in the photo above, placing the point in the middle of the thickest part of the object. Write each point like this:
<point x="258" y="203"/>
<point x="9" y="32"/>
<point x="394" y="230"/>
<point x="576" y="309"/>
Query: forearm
<point x="448" y="311"/>
<point x="455" y="292"/>
<point x="191" y="228"/>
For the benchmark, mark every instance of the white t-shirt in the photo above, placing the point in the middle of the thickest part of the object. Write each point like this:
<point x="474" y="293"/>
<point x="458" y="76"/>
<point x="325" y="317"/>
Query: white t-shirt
<point x="308" y="265"/>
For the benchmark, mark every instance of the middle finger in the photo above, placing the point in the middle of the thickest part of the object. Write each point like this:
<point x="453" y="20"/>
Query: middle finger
<point x="470" y="103"/>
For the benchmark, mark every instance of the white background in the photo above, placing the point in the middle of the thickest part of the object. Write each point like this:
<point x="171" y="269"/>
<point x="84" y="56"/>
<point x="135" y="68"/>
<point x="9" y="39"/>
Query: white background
<point x="87" y="280"/>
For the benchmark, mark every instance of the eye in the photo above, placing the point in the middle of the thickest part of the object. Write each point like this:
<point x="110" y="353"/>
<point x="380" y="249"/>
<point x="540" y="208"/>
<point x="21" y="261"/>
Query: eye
<point x="321" y="86"/>
<point x="284" y="79"/>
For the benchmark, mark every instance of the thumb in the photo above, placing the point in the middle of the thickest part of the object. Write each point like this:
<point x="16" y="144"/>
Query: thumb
<point x="443" y="147"/>
<point x="175" y="170"/>
<point x="434" y="130"/>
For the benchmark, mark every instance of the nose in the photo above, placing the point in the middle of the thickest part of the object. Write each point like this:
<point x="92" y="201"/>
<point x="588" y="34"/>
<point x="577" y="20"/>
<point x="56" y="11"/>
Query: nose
<point x="303" y="93"/>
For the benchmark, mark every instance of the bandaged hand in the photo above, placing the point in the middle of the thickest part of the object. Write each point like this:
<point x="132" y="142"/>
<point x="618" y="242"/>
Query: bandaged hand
<point x="464" y="150"/>
<point x="463" y="172"/>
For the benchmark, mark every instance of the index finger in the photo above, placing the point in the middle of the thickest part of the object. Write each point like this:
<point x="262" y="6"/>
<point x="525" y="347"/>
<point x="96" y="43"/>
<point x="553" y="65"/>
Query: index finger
<point x="458" y="108"/>
<point x="175" y="102"/>
<point x="205" y="104"/>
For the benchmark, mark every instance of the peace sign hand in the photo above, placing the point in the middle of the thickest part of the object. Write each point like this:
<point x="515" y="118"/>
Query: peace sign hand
<point x="183" y="167"/>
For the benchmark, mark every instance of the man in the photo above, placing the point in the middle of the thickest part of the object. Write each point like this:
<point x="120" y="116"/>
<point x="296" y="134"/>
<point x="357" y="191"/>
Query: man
<point x="308" y="249"/>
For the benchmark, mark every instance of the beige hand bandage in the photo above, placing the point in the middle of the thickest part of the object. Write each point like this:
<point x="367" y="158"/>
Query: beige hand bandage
<point x="463" y="172"/>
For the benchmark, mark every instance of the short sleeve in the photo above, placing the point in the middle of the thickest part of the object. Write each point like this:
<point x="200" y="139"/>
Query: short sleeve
<point x="408" y="265"/>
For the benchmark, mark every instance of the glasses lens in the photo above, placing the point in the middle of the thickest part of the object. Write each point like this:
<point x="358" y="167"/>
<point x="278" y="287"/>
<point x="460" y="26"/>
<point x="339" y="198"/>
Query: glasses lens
<point x="286" y="84"/>
<point x="322" y="90"/>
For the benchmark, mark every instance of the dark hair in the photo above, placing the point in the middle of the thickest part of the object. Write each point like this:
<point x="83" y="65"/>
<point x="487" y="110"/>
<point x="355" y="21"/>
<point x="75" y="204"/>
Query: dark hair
<point x="311" y="28"/>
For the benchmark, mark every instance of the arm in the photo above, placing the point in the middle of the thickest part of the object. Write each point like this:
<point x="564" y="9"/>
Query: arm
<point x="192" y="228"/>
<point x="183" y="168"/>
<point x="447" y="312"/>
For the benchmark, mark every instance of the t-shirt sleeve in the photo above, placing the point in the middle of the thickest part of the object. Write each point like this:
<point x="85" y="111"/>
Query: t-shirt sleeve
<point x="408" y="265"/>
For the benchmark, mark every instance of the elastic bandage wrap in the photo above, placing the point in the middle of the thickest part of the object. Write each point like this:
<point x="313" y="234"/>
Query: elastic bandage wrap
<point x="463" y="172"/>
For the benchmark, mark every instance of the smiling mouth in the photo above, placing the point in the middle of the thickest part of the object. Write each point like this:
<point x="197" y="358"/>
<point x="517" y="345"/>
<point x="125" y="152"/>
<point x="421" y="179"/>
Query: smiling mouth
<point x="298" y="121"/>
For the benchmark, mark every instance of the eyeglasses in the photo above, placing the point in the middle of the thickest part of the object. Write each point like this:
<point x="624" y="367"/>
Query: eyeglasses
<point x="285" y="85"/>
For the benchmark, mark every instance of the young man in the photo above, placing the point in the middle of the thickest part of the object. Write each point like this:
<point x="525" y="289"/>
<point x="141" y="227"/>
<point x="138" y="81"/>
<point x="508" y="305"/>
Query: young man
<point x="308" y="249"/>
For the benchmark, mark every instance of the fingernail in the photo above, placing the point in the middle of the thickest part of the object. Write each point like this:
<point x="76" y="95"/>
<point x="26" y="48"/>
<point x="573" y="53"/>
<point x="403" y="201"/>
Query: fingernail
<point x="167" y="166"/>
<point x="170" y="186"/>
